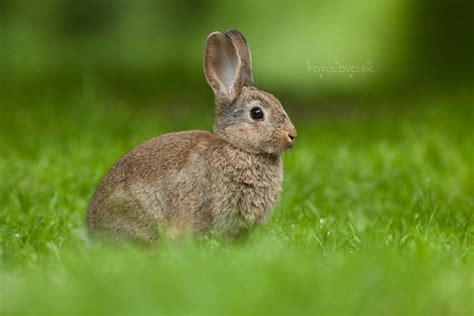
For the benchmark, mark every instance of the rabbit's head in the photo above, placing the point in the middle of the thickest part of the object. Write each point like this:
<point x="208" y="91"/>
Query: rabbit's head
<point x="248" y="118"/>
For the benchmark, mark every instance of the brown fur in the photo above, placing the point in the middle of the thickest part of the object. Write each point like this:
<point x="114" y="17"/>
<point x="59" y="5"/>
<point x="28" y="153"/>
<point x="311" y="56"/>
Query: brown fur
<point x="197" y="181"/>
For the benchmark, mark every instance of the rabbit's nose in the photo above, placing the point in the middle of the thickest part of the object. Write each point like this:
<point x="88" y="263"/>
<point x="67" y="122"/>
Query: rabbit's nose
<point x="292" y="134"/>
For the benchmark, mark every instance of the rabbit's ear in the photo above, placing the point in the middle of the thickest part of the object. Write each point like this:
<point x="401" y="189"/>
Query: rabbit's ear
<point x="245" y="57"/>
<point x="222" y="66"/>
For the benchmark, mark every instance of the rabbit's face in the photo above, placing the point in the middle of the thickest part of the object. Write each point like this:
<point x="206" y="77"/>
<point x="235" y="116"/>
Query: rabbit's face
<point x="248" y="118"/>
<point x="256" y="122"/>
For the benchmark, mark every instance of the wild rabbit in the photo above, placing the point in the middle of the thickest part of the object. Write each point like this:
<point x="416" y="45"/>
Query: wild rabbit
<point x="196" y="181"/>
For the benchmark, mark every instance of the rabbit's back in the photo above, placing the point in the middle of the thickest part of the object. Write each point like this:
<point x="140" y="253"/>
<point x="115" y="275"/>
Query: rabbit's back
<point x="159" y="184"/>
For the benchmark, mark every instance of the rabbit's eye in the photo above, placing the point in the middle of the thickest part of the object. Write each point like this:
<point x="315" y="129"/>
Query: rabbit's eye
<point x="256" y="113"/>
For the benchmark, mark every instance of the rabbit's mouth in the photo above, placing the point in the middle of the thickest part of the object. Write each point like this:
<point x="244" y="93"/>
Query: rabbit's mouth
<point x="279" y="148"/>
<point x="288" y="146"/>
<point x="287" y="141"/>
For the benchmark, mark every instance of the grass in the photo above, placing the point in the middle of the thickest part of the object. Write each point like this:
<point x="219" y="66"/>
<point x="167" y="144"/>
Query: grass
<point x="375" y="217"/>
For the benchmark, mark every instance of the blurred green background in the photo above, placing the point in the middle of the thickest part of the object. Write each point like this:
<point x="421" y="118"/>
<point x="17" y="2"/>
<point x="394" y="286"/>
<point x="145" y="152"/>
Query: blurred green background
<point x="155" y="48"/>
<point x="376" y="212"/>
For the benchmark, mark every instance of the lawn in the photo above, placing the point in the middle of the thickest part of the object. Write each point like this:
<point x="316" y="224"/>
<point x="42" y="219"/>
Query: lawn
<point x="375" y="217"/>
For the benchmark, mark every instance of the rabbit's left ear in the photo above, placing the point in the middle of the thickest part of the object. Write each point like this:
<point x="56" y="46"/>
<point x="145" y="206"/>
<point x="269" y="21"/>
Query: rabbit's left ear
<point x="243" y="51"/>
<point x="222" y="66"/>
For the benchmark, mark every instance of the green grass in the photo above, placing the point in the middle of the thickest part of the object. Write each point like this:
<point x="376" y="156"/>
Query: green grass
<point x="375" y="217"/>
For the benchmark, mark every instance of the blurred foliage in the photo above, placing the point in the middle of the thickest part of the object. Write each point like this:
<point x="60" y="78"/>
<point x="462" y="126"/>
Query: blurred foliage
<point x="155" y="48"/>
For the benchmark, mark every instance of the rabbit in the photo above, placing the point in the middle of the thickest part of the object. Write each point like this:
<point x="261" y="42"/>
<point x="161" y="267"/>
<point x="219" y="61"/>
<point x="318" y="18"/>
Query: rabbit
<point x="196" y="181"/>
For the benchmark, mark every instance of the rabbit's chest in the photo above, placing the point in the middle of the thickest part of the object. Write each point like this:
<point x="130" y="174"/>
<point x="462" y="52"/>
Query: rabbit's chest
<point x="248" y="194"/>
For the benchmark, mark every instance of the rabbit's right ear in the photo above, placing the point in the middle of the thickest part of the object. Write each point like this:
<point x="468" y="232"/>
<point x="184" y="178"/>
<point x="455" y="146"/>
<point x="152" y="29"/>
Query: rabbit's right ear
<point x="243" y="51"/>
<point x="222" y="66"/>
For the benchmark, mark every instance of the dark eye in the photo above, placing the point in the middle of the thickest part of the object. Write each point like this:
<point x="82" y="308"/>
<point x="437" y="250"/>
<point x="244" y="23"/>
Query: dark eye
<point x="256" y="113"/>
